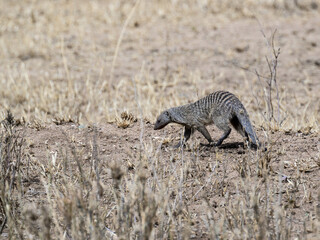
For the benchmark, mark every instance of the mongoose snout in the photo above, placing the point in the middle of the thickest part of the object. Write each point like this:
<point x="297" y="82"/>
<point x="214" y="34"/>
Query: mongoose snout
<point x="221" y="108"/>
<point x="162" y="120"/>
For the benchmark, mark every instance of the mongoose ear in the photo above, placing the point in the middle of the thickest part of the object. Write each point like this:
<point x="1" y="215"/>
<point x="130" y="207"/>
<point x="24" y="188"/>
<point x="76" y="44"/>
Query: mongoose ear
<point x="168" y="115"/>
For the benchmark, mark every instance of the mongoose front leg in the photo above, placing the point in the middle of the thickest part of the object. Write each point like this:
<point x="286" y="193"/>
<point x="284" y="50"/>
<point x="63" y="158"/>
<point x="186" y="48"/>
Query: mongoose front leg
<point x="187" y="133"/>
<point x="224" y="136"/>
<point x="206" y="134"/>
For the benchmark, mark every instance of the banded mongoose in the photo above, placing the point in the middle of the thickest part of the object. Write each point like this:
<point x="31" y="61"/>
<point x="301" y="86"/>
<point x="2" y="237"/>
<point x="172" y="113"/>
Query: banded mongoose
<point x="221" y="108"/>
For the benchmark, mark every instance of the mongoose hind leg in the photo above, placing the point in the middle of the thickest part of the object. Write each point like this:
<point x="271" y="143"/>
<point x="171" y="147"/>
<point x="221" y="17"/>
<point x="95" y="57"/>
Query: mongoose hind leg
<point x="223" y="137"/>
<point x="222" y="122"/>
<point x="187" y="133"/>
<point x="206" y="134"/>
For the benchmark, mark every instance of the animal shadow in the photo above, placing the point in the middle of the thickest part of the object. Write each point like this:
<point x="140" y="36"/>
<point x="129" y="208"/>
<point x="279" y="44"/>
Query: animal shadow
<point x="232" y="145"/>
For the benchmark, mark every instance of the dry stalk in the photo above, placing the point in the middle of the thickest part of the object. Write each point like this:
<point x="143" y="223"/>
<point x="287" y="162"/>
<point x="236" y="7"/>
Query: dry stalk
<point x="272" y="79"/>
<point x="116" y="52"/>
<point x="11" y="156"/>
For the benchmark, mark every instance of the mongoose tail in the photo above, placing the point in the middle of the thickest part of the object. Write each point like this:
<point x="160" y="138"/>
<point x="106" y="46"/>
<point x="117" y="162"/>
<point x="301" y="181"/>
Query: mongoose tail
<point x="243" y="125"/>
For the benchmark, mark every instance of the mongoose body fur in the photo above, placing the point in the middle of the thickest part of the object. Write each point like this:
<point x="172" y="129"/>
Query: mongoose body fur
<point x="220" y="108"/>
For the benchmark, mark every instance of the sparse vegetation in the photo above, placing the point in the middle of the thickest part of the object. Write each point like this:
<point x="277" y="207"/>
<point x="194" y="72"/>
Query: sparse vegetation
<point x="84" y="80"/>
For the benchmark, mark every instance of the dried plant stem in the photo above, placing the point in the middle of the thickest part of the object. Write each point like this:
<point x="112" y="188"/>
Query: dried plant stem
<point x="116" y="52"/>
<point x="272" y="66"/>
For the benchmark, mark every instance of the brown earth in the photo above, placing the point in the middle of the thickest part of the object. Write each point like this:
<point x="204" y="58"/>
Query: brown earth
<point x="212" y="173"/>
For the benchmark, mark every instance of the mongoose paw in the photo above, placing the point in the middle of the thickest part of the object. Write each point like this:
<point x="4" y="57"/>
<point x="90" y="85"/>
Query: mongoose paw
<point x="178" y="145"/>
<point x="217" y="144"/>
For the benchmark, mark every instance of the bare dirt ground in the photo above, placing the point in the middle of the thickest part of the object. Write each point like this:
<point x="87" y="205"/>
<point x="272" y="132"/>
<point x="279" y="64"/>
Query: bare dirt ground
<point x="213" y="174"/>
<point x="68" y="71"/>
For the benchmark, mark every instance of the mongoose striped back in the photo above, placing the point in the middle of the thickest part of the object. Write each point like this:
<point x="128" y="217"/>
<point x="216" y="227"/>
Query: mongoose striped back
<point x="221" y="108"/>
<point x="225" y="100"/>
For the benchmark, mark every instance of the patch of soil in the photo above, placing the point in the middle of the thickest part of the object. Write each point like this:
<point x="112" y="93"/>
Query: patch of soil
<point x="214" y="173"/>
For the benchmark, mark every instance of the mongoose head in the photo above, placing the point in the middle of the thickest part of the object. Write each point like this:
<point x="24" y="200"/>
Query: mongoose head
<point x="163" y="120"/>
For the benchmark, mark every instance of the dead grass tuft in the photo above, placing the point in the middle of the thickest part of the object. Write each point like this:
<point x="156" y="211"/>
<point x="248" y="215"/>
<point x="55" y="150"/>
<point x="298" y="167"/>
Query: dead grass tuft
<point x="126" y="119"/>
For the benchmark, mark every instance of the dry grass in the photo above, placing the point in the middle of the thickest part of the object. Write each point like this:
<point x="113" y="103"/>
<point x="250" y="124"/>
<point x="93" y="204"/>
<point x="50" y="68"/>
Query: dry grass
<point x="58" y="64"/>
<point x="91" y="62"/>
